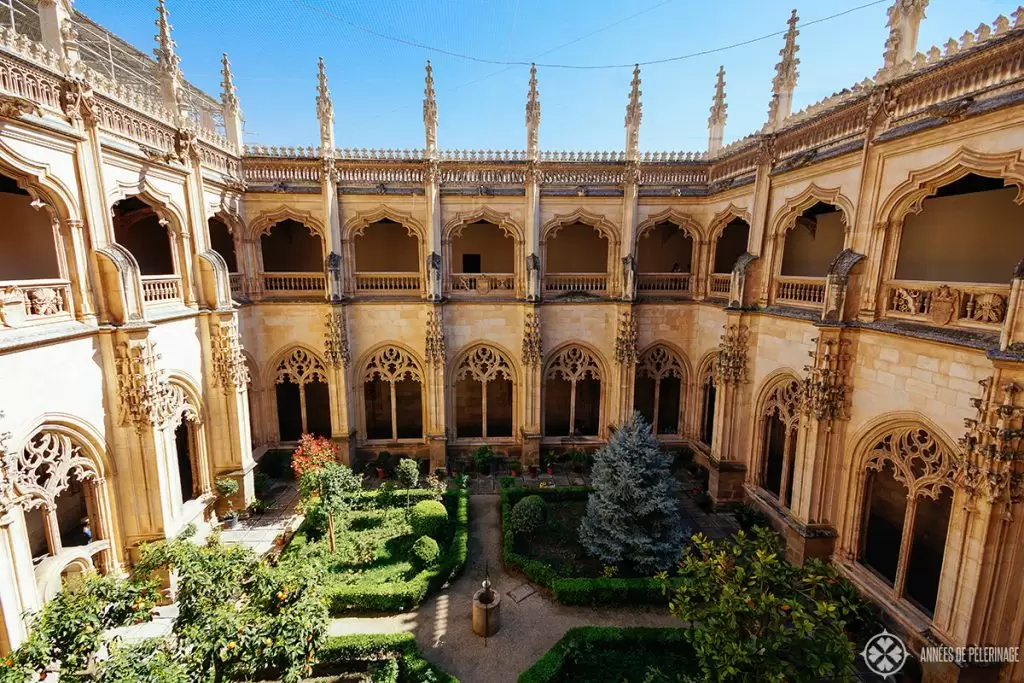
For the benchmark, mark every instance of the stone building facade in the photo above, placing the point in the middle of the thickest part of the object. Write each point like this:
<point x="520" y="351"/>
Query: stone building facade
<point x="828" y="311"/>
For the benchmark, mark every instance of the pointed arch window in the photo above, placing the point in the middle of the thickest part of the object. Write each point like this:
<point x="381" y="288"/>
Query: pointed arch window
<point x="707" y="404"/>
<point x="907" y="504"/>
<point x="393" y="396"/>
<point x="780" y="419"/>
<point x="484" y="389"/>
<point x="658" y="389"/>
<point x="572" y="394"/>
<point x="303" y="397"/>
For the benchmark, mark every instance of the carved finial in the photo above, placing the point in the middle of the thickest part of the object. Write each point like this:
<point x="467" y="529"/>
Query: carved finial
<point x="167" y="64"/>
<point x="634" y="114"/>
<point x="901" y="46"/>
<point x="324" y="110"/>
<point x="532" y="116"/>
<point x="227" y="87"/>
<point x="430" y="111"/>
<point x="785" y="76"/>
<point x="716" y="122"/>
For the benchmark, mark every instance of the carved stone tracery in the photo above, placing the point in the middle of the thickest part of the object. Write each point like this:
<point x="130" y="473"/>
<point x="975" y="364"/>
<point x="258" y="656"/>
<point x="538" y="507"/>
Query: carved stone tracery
<point x="147" y="398"/>
<point x="659" y="362"/>
<point x="435" y="343"/>
<point x="485" y="364"/>
<point x="300" y="367"/>
<point x="823" y="391"/>
<point x="785" y="400"/>
<point x="392" y="364"/>
<point x="573" y="363"/>
<point x="336" y="350"/>
<point x="37" y="475"/>
<point x="919" y="461"/>
<point x="533" y="346"/>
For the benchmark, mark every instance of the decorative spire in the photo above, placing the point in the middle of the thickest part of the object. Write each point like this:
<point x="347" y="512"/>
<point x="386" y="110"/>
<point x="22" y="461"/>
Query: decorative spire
<point x="785" y="77"/>
<point x="634" y="113"/>
<point x="324" y="110"/>
<point x="532" y="116"/>
<point x="430" y="111"/>
<point x="167" y="64"/>
<point x="229" y="105"/>
<point x="716" y="122"/>
<point x="901" y="46"/>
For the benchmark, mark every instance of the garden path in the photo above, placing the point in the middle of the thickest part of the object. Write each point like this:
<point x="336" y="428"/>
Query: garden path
<point x="529" y="628"/>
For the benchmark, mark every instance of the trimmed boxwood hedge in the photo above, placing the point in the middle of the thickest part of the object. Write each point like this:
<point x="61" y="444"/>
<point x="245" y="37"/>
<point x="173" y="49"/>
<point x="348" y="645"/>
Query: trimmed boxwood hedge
<point x="572" y="591"/>
<point x="412" y="667"/>
<point x="398" y="597"/>
<point x="553" y="665"/>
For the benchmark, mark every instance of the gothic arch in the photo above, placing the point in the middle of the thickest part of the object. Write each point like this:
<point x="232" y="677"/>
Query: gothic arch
<point x="485" y="362"/>
<point x="574" y="362"/>
<point x="511" y="361"/>
<point x="41" y="185"/>
<point x="484" y="214"/>
<point x="683" y="362"/>
<point x="356" y="225"/>
<point x="262" y="223"/>
<point x="684" y="221"/>
<point x="390" y="363"/>
<point x="297" y="361"/>
<point x="658" y="362"/>
<point x="599" y="363"/>
<point x="191" y="406"/>
<point x="702" y="411"/>
<point x="706" y="363"/>
<point x="93" y="448"/>
<point x="908" y="197"/>
<point x="233" y="221"/>
<point x="769" y="396"/>
<point x="162" y="203"/>
<point x="598" y="222"/>
<point x="812" y="194"/>
<point x="723" y="218"/>
<point x="779" y="393"/>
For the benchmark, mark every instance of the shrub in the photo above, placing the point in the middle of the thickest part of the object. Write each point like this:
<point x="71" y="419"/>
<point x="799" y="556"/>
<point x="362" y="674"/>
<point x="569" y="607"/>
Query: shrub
<point x="429" y="518"/>
<point x="633" y="516"/>
<point x="408" y="473"/>
<point x="437" y="486"/>
<point x="401" y="646"/>
<point x="385" y="672"/>
<point x="748" y="517"/>
<point x="528" y="515"/>
<point x="312" y="454"/>
<point x="150" y="660"/>
<point x="425" y="552"/>
<point x="482" y="458"/>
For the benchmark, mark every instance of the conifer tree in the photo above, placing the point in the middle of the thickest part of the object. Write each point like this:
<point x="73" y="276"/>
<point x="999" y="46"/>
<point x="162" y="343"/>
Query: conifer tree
<point x="632" y="517"/>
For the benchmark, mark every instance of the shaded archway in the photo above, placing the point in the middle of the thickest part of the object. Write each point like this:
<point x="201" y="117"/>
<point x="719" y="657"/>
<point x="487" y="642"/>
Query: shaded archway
<point x="482" y="258"/>
<point x="665" y="258"/>
<point x="386" y="257"/>
<point x="728" y="244"/>
<point x="659" y="389"/>
<point x="808" y="243"/>
<point x="222" y="241"/>
<point x="393" y="403"/>
<point x="303" y="397"/>
<point x="905" y="503"/>
<point x="484" y="394"/>
<point x="779" y="419"/>
<point x="572" y="393"/>
<point x="578" y="252"/>
<point x="708" y="391"/>
<point x="149" y="235"/>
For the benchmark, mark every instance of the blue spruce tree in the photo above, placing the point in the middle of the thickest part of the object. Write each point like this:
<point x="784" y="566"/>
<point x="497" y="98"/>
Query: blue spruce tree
<point x="632" y="518"/>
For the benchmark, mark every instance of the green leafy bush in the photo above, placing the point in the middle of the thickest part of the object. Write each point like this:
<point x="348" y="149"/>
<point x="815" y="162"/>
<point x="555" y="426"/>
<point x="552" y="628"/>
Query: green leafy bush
<point x="412" y="667"/>
<point x="408" y="473"/>
<point x="429" y="518"/>
<point x="385" y="672"/>
<point x="483" y="458"/>
<point x="748" y="517"/>
<point x="425" y="551"/>
<point x="151" y="660"/>
<point x="528" y="515"/>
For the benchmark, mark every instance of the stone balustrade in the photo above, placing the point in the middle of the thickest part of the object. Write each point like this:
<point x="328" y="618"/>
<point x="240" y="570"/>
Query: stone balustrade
<point x="387" y="282"/>
<point x="160" y="289"/>
<point x="663" y="283"/>
<point x="31" y="302"/>
<point x="720" y="284"/>
<point x="293" y="284"/>
<point x="593" y="283"/>
<point x="805" y="292"/>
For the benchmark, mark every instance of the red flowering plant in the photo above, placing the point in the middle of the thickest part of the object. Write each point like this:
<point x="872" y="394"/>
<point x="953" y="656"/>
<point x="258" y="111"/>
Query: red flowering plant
<point x="313" y="453"/>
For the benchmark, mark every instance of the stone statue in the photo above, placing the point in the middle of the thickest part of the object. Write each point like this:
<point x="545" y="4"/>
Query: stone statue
<point x="533" y="278"/>
<point x="628" y="277"/>
<point x="434" y="276"/>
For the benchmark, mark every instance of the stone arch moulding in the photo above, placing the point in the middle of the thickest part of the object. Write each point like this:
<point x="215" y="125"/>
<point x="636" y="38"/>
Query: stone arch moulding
<point x="599" y="361"/>
<point x="674" y="350"/>
<point x="356" y="225"/>
<point x="484" y="214"/>
<point x="598" y="222"/>
<point x="317" y="366"/>
<point x="161" y="202"/>
<point x="192" y="406"/>
<point x="41" y="185"/>
<point x="779" y="379"/>
<point x="496" y="349"/>
<point x="724" y="217"/>
<point x="908" y="197"/>
<point x="808" y="197"/>
<point x="81" y="431"/>
<point x="415" y="366"/>
<point x="231" y="218"/>
<point x="261" y="224"/>
<point x="684" y="221"/>
<point x="490" y="362"/>
<point x="706" y="364"/>
<point x="774" y="381"/>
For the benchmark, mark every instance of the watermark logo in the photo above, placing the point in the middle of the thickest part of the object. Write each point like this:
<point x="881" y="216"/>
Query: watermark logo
<point x="885" y="654"/>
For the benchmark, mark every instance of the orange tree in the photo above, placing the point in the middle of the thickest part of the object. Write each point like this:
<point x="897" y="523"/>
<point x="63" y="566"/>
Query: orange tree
<point x="313" y="453"/>
<point x="756" y="617"/>
<point x="238" y="615"/>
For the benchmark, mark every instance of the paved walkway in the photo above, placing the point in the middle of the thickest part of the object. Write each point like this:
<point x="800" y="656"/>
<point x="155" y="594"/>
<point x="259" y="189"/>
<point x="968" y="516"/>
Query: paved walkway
<point x="529" y="628"/>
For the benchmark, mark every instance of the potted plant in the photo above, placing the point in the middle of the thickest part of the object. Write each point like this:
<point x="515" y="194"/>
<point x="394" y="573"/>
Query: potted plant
<point x="483" y="458"/>
<point x="578" y="458"/>
<point x="227" y="488"/>
<point x="550" y="462"/>
<point x="533" y="471"/>
<point x="515" y="468"/>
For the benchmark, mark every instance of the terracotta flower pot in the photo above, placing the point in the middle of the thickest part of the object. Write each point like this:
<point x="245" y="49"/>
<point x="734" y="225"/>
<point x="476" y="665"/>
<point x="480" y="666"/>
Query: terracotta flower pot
<point x="380" y="473"/>
<point x="551" y="470"/>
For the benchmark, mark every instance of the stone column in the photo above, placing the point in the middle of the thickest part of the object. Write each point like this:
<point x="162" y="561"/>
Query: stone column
<point x="630" y="197"/>
<point x="17" y="579"/>
<point x="533" y="363"/>
<point x="625" y="358"/>
<point x="434" y="387"/>
<point x="332" y="210"/>
<point x="339" y="359"/>
<point x="728" y="463"/>
<point x="759" y="216"/>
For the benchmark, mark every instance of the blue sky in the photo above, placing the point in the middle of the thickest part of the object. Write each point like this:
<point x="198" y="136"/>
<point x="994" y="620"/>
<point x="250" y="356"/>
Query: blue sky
<point x="377" y="85"/>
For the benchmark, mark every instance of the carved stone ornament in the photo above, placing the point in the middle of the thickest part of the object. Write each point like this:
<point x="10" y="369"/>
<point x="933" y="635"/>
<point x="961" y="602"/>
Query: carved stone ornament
<point x="229" y="368"/>
<point x="823" y="391"/>
<point x="944" y="304"/>
<point x="485" y="364"/>
<point x="300" y="367"/>
<point x="435" y="344"/>
<point x="78" y="100"/>
<point x="765" y="151"/>
<point x="147" y="399"/>
<point x="13" y="107"/>
<point x="990" y="462"/>
<point x="626" y="339"/>
<point x="918" y="460"/>
<point x="333" y="262"/>
<point x="185" y="145"/>
<point x="573" y="363"/>
<point x="37" y="475"/>
<point x="659" y="362"/>
<point x="533" y="347"/>
<point x="336" y="351"/>
<point x="731" y="360"/>
<point x="392" y="364"/>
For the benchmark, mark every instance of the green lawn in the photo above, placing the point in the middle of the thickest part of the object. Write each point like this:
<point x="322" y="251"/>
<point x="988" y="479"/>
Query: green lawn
<point x="558" y="542"/>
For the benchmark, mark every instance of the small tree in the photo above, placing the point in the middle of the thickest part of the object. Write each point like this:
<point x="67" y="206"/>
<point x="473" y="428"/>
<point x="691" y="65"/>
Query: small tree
<point x="528" y="515"/>
<point x="633" y="515"/>
<point x="330" y="487"/>
<point x="408" y="476"/>
<point x="312" y="453"/>
<point x="755" y="617"/>
<point x="227" y="488"/>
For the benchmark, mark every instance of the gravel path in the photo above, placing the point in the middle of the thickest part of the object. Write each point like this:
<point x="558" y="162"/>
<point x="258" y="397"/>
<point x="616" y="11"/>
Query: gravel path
<point x="529" y="628"/>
